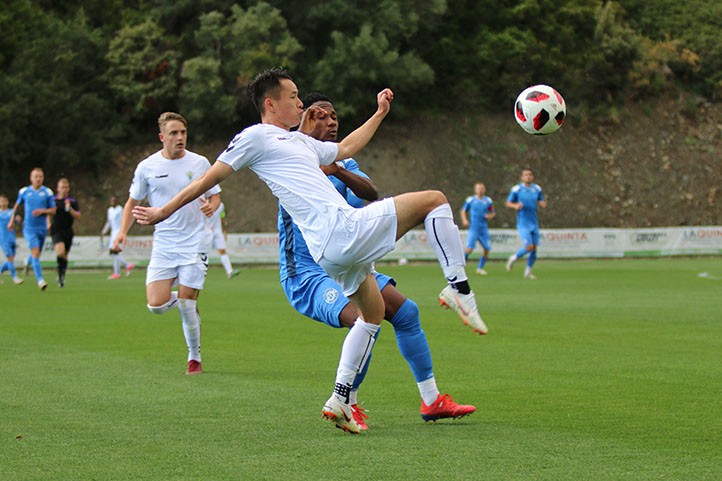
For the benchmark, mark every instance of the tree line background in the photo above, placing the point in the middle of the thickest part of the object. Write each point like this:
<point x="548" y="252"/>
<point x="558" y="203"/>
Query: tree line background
<point x="79" y="77"/>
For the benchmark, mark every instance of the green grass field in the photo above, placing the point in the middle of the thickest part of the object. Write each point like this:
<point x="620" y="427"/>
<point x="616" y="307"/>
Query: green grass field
<point x="600" y="370"/>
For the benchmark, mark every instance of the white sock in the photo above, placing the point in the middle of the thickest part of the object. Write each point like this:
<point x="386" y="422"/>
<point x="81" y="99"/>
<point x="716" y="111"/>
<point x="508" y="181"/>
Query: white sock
<point x="172" y="302"/>
<point x="226" y="262"/>
<point x="428" y="390"/>
<point x="443" y="235"/>
<point x="116" y="264"/>
<point x="527" y="271"/>
<point x="191" y="327"/>
<point x="353" y="397"/>
<point x="123" y="262"/>
<point x="513" y="258"/>
<point x="355" y="352"/>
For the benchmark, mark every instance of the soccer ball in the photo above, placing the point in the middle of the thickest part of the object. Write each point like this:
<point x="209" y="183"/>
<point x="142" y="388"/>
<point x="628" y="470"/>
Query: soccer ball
<point x="540" y="110"/>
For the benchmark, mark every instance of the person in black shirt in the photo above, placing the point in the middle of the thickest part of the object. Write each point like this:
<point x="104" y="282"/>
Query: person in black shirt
<point x="61" y="228"/>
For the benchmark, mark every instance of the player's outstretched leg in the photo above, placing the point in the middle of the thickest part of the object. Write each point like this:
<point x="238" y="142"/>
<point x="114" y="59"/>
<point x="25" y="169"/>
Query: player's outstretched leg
<point x="443" y="235"/>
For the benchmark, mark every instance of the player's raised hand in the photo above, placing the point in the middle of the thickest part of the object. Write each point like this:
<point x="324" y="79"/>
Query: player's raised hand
<point x="309" y="118"/>
<point x="148" y="215"/>
<point x="384" y="99"/>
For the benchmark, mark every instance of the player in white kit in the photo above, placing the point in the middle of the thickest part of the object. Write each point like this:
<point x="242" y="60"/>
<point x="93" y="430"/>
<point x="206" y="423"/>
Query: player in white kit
<point x="343" y="240"/>
<point x="219" y="240"/>
<point x="182" y="242"/>
<point x="114" y="219"/>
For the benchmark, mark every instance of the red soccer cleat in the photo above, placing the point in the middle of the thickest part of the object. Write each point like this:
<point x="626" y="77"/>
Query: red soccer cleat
<point x="194" y="367"/>
<point x="445" y="407"/>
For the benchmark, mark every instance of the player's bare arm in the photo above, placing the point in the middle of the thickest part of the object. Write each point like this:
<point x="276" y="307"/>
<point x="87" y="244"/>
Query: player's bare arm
<point x="464" y="219"/>
<point x="358" y="139"/>
<point x="543" y="204"/>
<point x="514" y="205"/>
<point x="126" y="223"/>
<point x="213" y="176"/>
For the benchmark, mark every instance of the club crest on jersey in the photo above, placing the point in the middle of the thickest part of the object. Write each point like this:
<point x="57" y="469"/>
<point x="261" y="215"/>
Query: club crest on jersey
<point x="189" y="174"/>
<point x="330" y="295"/>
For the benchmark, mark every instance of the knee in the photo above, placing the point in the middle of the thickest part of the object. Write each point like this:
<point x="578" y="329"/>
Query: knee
<point x="157" y="309"/>
<point x="409" y="318"/>
<point x="437" y="197"/>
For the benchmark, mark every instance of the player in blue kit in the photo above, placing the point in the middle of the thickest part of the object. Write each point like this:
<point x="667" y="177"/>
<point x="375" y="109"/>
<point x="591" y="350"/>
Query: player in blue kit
<point x="481" y="210"/>
<point x="39" y="204"/>
<point x="7" y="238"/>
<point x="525" y="197"/>
<point x="313" y="293"/>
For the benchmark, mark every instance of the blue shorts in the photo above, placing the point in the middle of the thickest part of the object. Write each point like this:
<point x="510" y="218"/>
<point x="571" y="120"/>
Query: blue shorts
<point x="529" y="236"/>
<point x="35" y="238"/>
<point x="9" y="247"/>
<point x="319" y="297"/>
<point x="481" y="236"/>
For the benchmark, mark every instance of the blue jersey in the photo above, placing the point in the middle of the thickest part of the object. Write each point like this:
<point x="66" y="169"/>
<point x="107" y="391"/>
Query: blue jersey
<point x="526" y="217"/>
<point x="477" y="209"/>
<point x="35" y="199"/>
<point x="295" y="257"/>
<point x="5" y="234"/>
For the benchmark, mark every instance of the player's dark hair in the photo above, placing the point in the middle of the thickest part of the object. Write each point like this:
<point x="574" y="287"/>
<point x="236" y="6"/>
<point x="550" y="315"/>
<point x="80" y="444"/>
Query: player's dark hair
<point x="266" y="84"/>
<point x="314" y="97"/>
<point x="524" y="169"/>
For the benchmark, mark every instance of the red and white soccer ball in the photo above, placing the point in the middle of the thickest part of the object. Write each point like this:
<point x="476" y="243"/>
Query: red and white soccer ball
<point x="540" y="110"/>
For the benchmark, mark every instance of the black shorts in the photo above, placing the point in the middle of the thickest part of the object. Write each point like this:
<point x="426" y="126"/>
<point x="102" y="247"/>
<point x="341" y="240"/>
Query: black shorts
<point x="65" y="236"/>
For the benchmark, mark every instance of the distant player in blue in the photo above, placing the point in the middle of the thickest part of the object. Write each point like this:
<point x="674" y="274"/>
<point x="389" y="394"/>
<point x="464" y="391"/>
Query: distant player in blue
<point x="7" y="238"/>
<point x="39" y="204"/>
<point x="480" y="209"/>
<point x="524" y="198"/>
<point x="314" y="294"/>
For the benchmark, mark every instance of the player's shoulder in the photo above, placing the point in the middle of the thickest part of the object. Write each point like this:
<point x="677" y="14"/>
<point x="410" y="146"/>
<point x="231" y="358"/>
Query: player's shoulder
<point x="536" y="187"/>
<point x="488" y="199"/>
<point x="516" y="188"/>
<point x="48" y="191"/>
<point x="468" y="199"/>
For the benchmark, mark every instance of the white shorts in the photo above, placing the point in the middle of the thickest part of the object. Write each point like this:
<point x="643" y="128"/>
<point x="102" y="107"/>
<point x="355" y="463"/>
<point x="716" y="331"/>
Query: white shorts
<point x="359" y="238"/>
<point x="188" y="268"/>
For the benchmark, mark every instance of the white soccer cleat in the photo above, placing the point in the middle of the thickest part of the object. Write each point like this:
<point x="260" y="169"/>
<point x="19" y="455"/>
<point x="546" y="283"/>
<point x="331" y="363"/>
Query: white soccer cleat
<point x="530" y="276"/>
<point x="17" y="281"/>
<point x="510" y="263"/>
<point x="341" y="414"/>
<point x="42" y="285"/>
<point x="465" y="307"/>
<point x="481" y="272"/>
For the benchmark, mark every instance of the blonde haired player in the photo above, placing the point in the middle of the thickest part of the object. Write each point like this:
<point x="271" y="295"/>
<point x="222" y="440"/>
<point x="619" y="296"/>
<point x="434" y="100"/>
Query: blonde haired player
<point x="180" y="243"/>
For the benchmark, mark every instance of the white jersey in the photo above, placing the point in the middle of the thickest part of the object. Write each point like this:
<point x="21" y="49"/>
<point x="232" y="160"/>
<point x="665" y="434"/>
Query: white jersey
<point x="288" y="162"/>
<point x="159" y="179"/>
<point x="115" y="219"/>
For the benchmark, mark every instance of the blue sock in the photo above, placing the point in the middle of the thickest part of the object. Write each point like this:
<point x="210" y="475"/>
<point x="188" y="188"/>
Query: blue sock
<point x="11" y="268"/>
<point x="4" y="267"/>
<point x="412" y="340"/>
<point x="482" y="262"/>
<point x="37" y="269"/>
<point x="532" y="259"/>
<point x="362" y="375"/>
<point x="521" y="252"/>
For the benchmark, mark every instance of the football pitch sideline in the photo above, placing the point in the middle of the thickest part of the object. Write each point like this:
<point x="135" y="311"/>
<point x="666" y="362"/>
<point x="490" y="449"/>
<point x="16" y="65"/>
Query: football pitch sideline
<point x="598" y="370"/>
